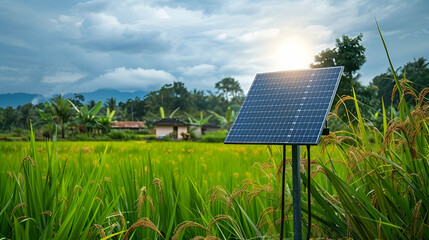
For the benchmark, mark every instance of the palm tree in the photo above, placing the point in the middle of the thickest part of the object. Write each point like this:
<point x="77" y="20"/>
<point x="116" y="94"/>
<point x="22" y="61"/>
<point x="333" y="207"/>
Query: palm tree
<point x="420" y="64"/>
<point x="58" y="111"/>
<point x="111" y="103"/>
<point x="25" y="115"/>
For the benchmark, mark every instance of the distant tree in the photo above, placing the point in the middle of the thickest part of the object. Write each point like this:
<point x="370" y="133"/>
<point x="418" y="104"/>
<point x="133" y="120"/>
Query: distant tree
<point x="59" y="111"/>
<point x="110" y="103"/>
<point x="170" y="97"/>
<point x="10" y="117"/>
<point x="348" y="52"/>
<point x="419" y="66"/>
<point x="1" y="119"/>
<point x="87" y="118"/>
<point x="229" y="89"/>
<point x="417" y="72"/>
<point x="200" y="99"/>
<point x="26" y="114"/>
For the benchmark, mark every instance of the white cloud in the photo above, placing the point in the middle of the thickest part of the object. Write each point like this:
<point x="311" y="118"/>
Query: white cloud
<point x="35" y="100"/>
<point x="128" y="79"/>
<point x="63" y="77"/>
<point x="199" y="70"/>
<point x="260" y="35"/>
<point x="197" y="42"/>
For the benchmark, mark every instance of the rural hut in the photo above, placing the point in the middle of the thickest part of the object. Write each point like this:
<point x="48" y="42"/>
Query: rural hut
<point x="171" y="127"/>
<point x="127" y="125"/>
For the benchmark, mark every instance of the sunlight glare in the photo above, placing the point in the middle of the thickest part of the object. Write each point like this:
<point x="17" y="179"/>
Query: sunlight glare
<point x="293" y="54"/>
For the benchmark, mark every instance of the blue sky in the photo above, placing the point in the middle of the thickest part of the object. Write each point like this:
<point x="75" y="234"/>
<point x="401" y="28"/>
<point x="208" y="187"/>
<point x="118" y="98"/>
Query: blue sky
<point x="51" y="47"/>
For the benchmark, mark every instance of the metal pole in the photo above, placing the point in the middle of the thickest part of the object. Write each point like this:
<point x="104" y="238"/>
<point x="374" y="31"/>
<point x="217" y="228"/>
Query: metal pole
<point x="283" y="193"/>
<point x="296" y="178"/>
<point x="308" y="192"/>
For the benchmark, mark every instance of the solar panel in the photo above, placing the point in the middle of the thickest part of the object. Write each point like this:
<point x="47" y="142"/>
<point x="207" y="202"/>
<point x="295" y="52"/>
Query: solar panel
<point x="288" y="107"/>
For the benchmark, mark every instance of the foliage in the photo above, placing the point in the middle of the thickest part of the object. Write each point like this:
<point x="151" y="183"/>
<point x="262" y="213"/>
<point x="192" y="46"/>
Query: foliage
<point x="350" y="53"/>
<point x="218" y="136"/>
<point x="87" y="119"/>
<point x="230" y="90"/>
<point x="58" y="111"/>
<point x="418" y="71"/>
<point x="104" y="121"/>
<point x="199" y="122"/>
<point x="227" y="120"/>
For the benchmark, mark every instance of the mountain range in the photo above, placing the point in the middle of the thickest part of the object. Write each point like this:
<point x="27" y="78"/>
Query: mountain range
<point x="16" y="99"/>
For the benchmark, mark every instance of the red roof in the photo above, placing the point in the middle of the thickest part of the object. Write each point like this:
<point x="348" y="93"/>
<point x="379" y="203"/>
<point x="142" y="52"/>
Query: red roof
<point x="126" y="124"/>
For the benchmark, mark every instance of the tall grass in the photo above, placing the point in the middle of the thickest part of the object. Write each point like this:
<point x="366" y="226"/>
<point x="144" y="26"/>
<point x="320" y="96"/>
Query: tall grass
<point x="133" y="189"/>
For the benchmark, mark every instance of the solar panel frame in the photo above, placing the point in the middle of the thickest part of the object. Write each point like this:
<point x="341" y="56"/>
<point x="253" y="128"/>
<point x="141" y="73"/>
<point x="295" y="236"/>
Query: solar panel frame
<point x="282" y="93"/>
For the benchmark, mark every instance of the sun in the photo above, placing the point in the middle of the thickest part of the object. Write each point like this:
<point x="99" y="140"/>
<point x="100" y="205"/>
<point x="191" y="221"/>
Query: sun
<point x="293" y="53"/>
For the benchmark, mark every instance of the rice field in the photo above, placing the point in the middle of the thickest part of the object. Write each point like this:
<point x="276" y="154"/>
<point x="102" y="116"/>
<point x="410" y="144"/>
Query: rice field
<point x="103" y="189"/>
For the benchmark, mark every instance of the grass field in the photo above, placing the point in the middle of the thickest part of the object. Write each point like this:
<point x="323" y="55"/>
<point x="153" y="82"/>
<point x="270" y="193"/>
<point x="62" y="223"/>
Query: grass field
<point x="169" y="183"/>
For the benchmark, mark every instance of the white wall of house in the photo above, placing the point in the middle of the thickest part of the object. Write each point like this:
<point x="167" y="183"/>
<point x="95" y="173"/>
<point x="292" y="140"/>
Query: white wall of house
<point x="162" y="131"/>
<point x="180" y="130"/>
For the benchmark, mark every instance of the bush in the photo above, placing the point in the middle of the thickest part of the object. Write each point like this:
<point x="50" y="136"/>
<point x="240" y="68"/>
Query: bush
<point x="218" y="136"/>
<point x="122" y="135"/>
<point x="142" y="132"/>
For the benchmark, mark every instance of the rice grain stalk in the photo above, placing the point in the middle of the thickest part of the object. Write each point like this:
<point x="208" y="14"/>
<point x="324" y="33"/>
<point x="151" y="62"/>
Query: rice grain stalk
<point x="100" y="230"/>
<point x="238" y="191"/>
<point x="218" y="194"/>
<point x="123" y="222"/>
<point x="16" y="208"/>
<point x="262" y="216"/>
<point x="10" y="175"/>
<point x="29" y="159"/>
<point x="206" y="238"/>
<point x="416" y="221"/>
<point x="101" y="201"/>
<point x="142" y="198"/>
<point x="288" y="208"/>
<point x="252" y="194"/>
<point x="142" y="222"/>
<point x="46" y="213"/>
<point x="224" y="217"/>
<point x="158" y="183"/>
<point x="182" y="226"/>
<point x="411" y="127"/>
<point x="280" y="167"/>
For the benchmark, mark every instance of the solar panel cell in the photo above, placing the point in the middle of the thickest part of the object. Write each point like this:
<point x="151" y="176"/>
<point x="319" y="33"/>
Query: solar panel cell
<point x="288" y="107"/>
